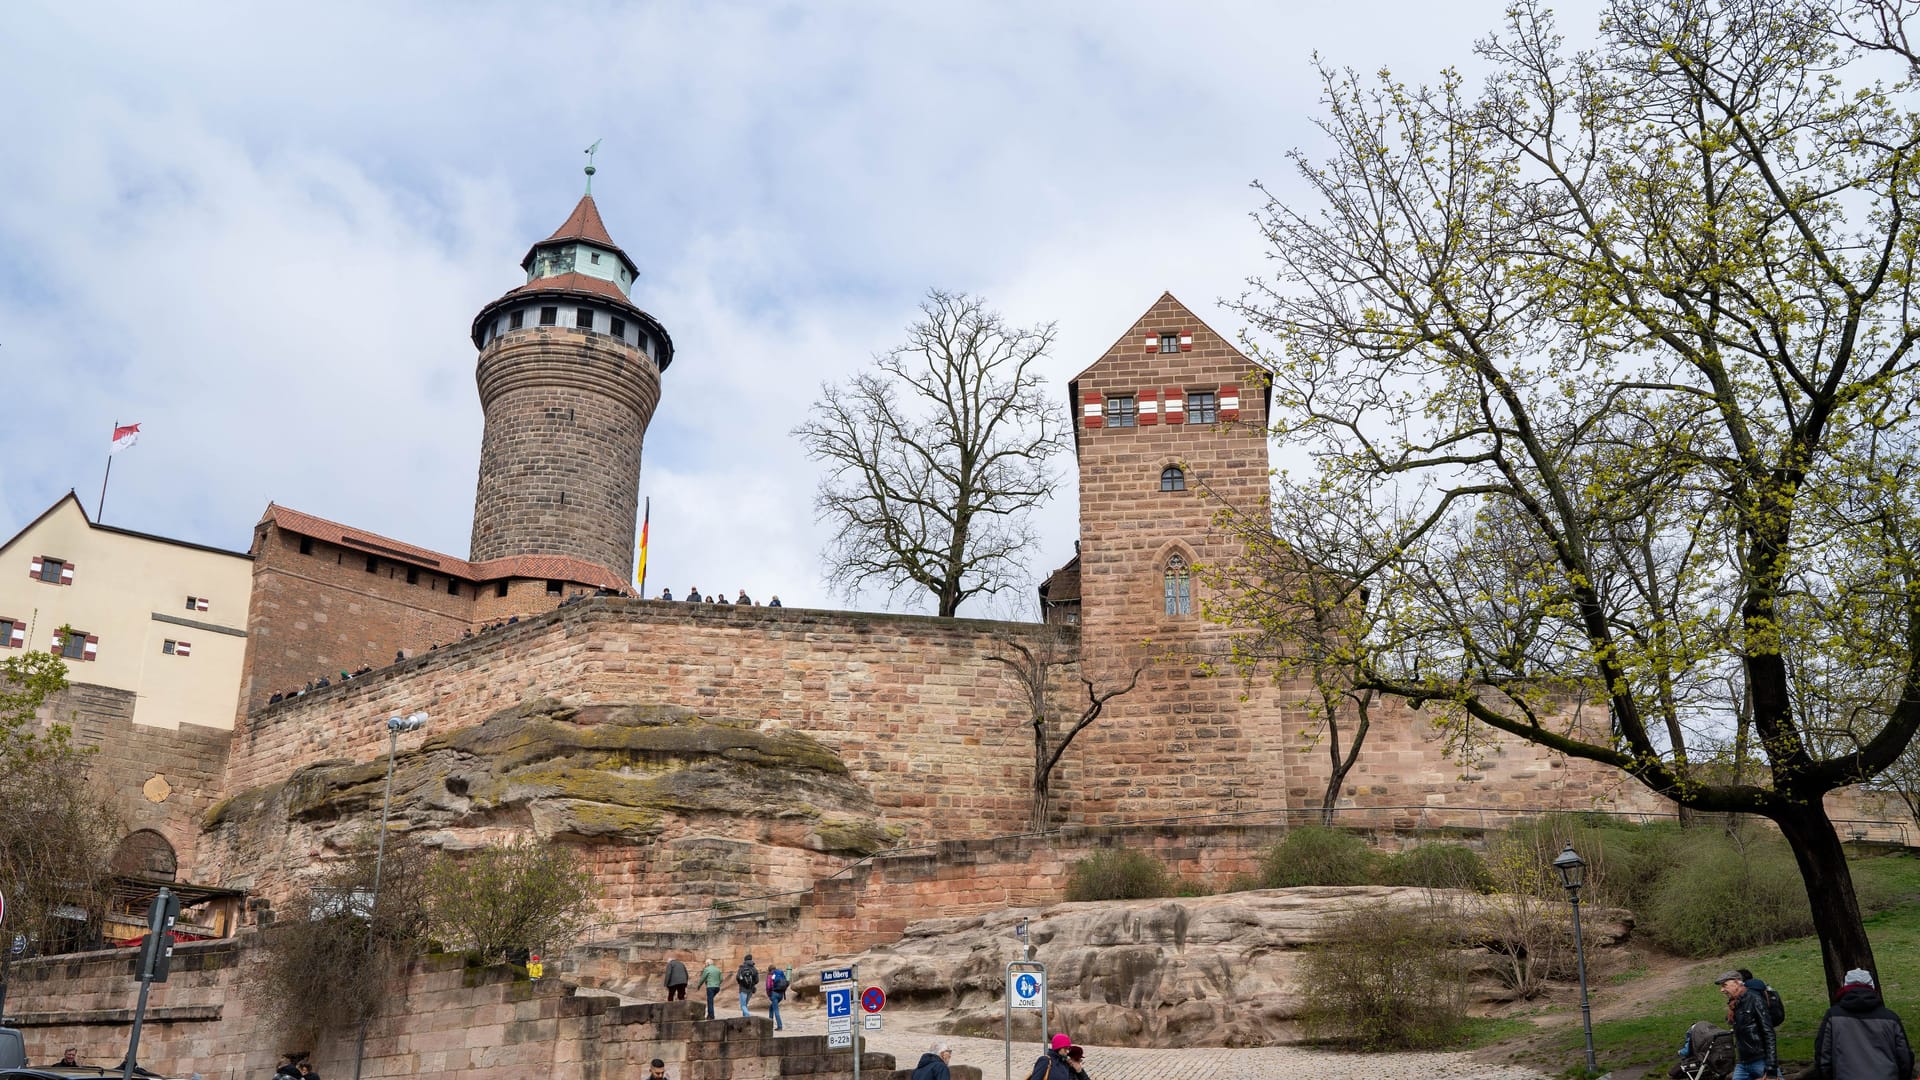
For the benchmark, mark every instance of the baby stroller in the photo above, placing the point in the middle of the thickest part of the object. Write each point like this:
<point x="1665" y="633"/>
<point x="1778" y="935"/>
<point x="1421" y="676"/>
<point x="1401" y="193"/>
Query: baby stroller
<point x="1706" y="1055"/>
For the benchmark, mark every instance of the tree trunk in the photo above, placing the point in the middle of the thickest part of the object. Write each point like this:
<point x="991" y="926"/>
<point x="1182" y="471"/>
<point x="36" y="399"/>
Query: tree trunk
<point x="1042" y="777"/>
<point x="1829" y="884"/>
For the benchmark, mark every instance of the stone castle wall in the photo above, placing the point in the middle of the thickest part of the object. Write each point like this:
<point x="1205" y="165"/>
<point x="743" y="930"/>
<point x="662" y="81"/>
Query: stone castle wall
<point x="163" y="779"/>
<point x="325" y="612"/>
<point x="449" y="1022"/>
<point x="913" y="705"/>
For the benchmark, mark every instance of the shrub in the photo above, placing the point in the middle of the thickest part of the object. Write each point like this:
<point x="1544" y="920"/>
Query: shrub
<point x="501" y="902"/>
<point x="1728" y="890"/>
<point x="321" y="973"/>
<point x="1316" y="855"/>
<point x="1119" y="874"/>
<point x="1438" y="866"/>
<point x="1385" y="978"/>
<point x="1525" y="923"/>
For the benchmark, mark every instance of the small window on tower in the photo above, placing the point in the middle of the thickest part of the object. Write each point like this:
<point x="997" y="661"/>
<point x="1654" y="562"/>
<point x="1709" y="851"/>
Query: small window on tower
<point x="453" y="587"/>
<point x="618" y="329"/>
<point x="500" y="589"/>
<point x="549" y="316"/>
<point x="373" y="564"/>
<point x="583" y="318"/>
<point x="1173" y="478"/>
<point x="413" y="575"/>
<point x="306" y="545"/>
<point x="514" y="320"/>
<point x="1122" y="411"/>
<point x="1169" y="343"/>
<point x="594" y="258"/>
<point x="554" y="587"/>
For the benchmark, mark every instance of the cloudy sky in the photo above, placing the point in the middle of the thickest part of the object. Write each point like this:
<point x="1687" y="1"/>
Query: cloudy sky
<point x="263" y="235"/>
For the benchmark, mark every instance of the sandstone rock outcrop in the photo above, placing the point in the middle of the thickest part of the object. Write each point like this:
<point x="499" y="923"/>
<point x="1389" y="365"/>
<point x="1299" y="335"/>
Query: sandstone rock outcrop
<point x="631" y="783"/>
<point x="1206" y="971"/>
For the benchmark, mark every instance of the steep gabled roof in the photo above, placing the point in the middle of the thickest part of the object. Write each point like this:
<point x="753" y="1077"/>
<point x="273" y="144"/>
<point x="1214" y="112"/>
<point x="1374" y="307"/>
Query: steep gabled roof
<point x="1129" y="341"/>
<point x="535" y="567"/>
<point x="92" y="524"/>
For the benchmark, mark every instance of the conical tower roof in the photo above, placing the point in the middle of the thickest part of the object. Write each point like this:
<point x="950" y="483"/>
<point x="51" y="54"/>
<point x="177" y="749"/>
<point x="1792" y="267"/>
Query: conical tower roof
<point x="583" y="224"/>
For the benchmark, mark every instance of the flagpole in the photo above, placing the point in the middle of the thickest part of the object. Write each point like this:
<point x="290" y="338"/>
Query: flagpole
<point x="102" y="507"/>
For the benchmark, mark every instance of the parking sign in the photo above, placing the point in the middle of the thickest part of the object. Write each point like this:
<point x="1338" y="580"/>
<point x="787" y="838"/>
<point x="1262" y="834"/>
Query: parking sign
<point x="839" y="1001"/>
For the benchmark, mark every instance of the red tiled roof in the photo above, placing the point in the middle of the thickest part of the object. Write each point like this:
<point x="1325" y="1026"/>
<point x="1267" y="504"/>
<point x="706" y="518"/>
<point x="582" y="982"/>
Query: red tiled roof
<point x="575" y="282"/>
<point x="583" y="224"/>
<point x="557" y="567"/>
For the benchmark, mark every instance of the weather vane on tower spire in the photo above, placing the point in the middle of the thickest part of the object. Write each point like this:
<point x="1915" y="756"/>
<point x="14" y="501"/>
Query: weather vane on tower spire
<point x="591" y="150"/>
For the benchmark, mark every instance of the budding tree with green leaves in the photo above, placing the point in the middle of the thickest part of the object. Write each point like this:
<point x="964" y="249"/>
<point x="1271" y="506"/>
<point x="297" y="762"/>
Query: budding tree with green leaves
<point x="1614" y="357"/>
<point x="56" y="831"/>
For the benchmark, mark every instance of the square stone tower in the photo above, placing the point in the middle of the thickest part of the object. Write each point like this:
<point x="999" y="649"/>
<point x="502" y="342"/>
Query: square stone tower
<point x="1170" y="428"/>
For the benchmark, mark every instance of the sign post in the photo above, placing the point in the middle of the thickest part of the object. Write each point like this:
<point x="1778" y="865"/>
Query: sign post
<point x="836" y="988"/>
<point x="1026" y="989"/>
<point x="6" y="961"/>
<point x="156" y="959"/>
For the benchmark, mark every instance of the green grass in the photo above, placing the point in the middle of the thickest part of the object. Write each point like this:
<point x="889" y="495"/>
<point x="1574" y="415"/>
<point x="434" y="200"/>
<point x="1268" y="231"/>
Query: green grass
<point x="1791" y="967"/>
<point x="1486" y="1030"/>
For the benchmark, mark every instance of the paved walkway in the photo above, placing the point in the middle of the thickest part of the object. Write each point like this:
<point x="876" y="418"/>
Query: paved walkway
<point x="907" y="1034"/>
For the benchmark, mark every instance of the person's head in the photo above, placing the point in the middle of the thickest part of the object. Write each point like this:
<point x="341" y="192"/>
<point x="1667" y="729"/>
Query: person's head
<point x="1858" y="977"/>
<point x="941" y="1050"/>
<point x="749" y="959"/>
<point x="657" y="1069"/>
<point x="71" y="1054"/>
<point x="1061" y="1041"/>
<point x="712" y="962"/>
<point x="1745" y="974"/>
<point x="1076" y="1053"/>
<point x="306" y="1068"/>
<point x="1731" y="984"/>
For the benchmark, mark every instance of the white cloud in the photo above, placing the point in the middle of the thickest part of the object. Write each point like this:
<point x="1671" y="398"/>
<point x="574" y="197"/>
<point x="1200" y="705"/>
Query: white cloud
<point x="265" y="237"/>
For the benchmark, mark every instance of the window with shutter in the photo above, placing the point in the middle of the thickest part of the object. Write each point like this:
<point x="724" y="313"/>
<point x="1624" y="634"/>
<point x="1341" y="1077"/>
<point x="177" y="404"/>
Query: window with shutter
<point x="1122" y="411"/>
<point x="13" y="634"/>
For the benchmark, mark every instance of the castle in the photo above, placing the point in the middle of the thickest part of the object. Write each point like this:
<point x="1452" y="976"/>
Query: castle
<point x="893" y="729"/>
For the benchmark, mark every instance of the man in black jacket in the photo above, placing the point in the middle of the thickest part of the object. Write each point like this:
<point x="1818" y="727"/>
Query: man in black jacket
<point x="933" y="1063"/>
<point x="676" y="980"/>
<point x="1860" y="1038"/>
<point x="1755" y="1054"/>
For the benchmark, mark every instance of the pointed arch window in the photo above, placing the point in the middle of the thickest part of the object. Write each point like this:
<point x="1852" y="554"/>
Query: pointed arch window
<point x="1173" y="478"/>
<point x="1179" y="586"/>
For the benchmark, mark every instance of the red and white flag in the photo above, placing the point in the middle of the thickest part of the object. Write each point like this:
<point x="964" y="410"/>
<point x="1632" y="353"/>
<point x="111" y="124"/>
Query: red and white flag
<point x="124" y="436"/>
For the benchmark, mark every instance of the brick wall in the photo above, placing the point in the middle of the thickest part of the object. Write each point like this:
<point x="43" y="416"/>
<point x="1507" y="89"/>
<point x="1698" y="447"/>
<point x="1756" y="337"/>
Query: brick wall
<point x="188" y="764"/>
<point x="566" y="413"/>
<point x="320" y="613"/>
<point x="912" y="704"/>
<point x="450" y="1022"/>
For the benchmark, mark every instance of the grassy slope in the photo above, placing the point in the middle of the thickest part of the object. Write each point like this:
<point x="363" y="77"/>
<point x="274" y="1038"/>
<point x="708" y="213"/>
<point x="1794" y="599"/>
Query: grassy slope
<point x="1792" y="967"/>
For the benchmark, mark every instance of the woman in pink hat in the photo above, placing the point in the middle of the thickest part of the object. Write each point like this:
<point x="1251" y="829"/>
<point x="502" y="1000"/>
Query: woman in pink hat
<point x="1053" y="1065"/>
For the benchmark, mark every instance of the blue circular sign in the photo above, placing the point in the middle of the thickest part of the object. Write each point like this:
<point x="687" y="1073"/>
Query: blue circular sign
<point x="873" y="999"/>
<point x="1026" y="986"/>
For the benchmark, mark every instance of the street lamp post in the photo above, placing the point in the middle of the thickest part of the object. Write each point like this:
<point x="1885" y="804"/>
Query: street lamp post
<point x="396" y="726"/>
<point x="1573" y="873"/>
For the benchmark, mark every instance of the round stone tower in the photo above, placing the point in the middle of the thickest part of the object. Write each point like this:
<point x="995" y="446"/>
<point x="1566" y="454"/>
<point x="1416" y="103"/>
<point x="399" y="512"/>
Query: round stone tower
<point x="569" y="374"/>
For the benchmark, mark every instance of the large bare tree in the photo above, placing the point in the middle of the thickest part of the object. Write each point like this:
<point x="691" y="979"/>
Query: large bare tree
<point x="935" y="455"/>
<point x="1619" y="351"/>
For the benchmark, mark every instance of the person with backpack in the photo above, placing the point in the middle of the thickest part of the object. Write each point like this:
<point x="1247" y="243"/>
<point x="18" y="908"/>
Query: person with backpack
<point x="777" y="981"/>
<point x="1776" y="1008"/>
<point x="1860" y="1038"/>
<point x="1755" y="1052"/>
<point x="747" y="978"/>
<point x="1053" y="1064"/>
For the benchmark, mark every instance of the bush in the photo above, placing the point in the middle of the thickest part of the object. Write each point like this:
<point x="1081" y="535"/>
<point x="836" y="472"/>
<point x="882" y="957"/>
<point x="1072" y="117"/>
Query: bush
<point x="1119" y="874"/>
<point x="1385" y="978"/>
<point x="1438" y="866"/>
<point x="1728" y="891"/>
<point x="499" y="903"/>
<point x="1316" y="855"/>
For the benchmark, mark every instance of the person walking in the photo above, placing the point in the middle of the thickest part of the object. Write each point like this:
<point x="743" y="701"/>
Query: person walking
<point x="1755" y="1053"/>
<point x="1077" y="1061"/>
<point x="676" y="980"/>
<point x="747" y="978"/>
<point x="777" y="982"/>
<point x="710" y="978"/>
<point x="1860" y="1038"/>
<point x="1053" y="1065"/>
<point x="933" y="1063"/>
